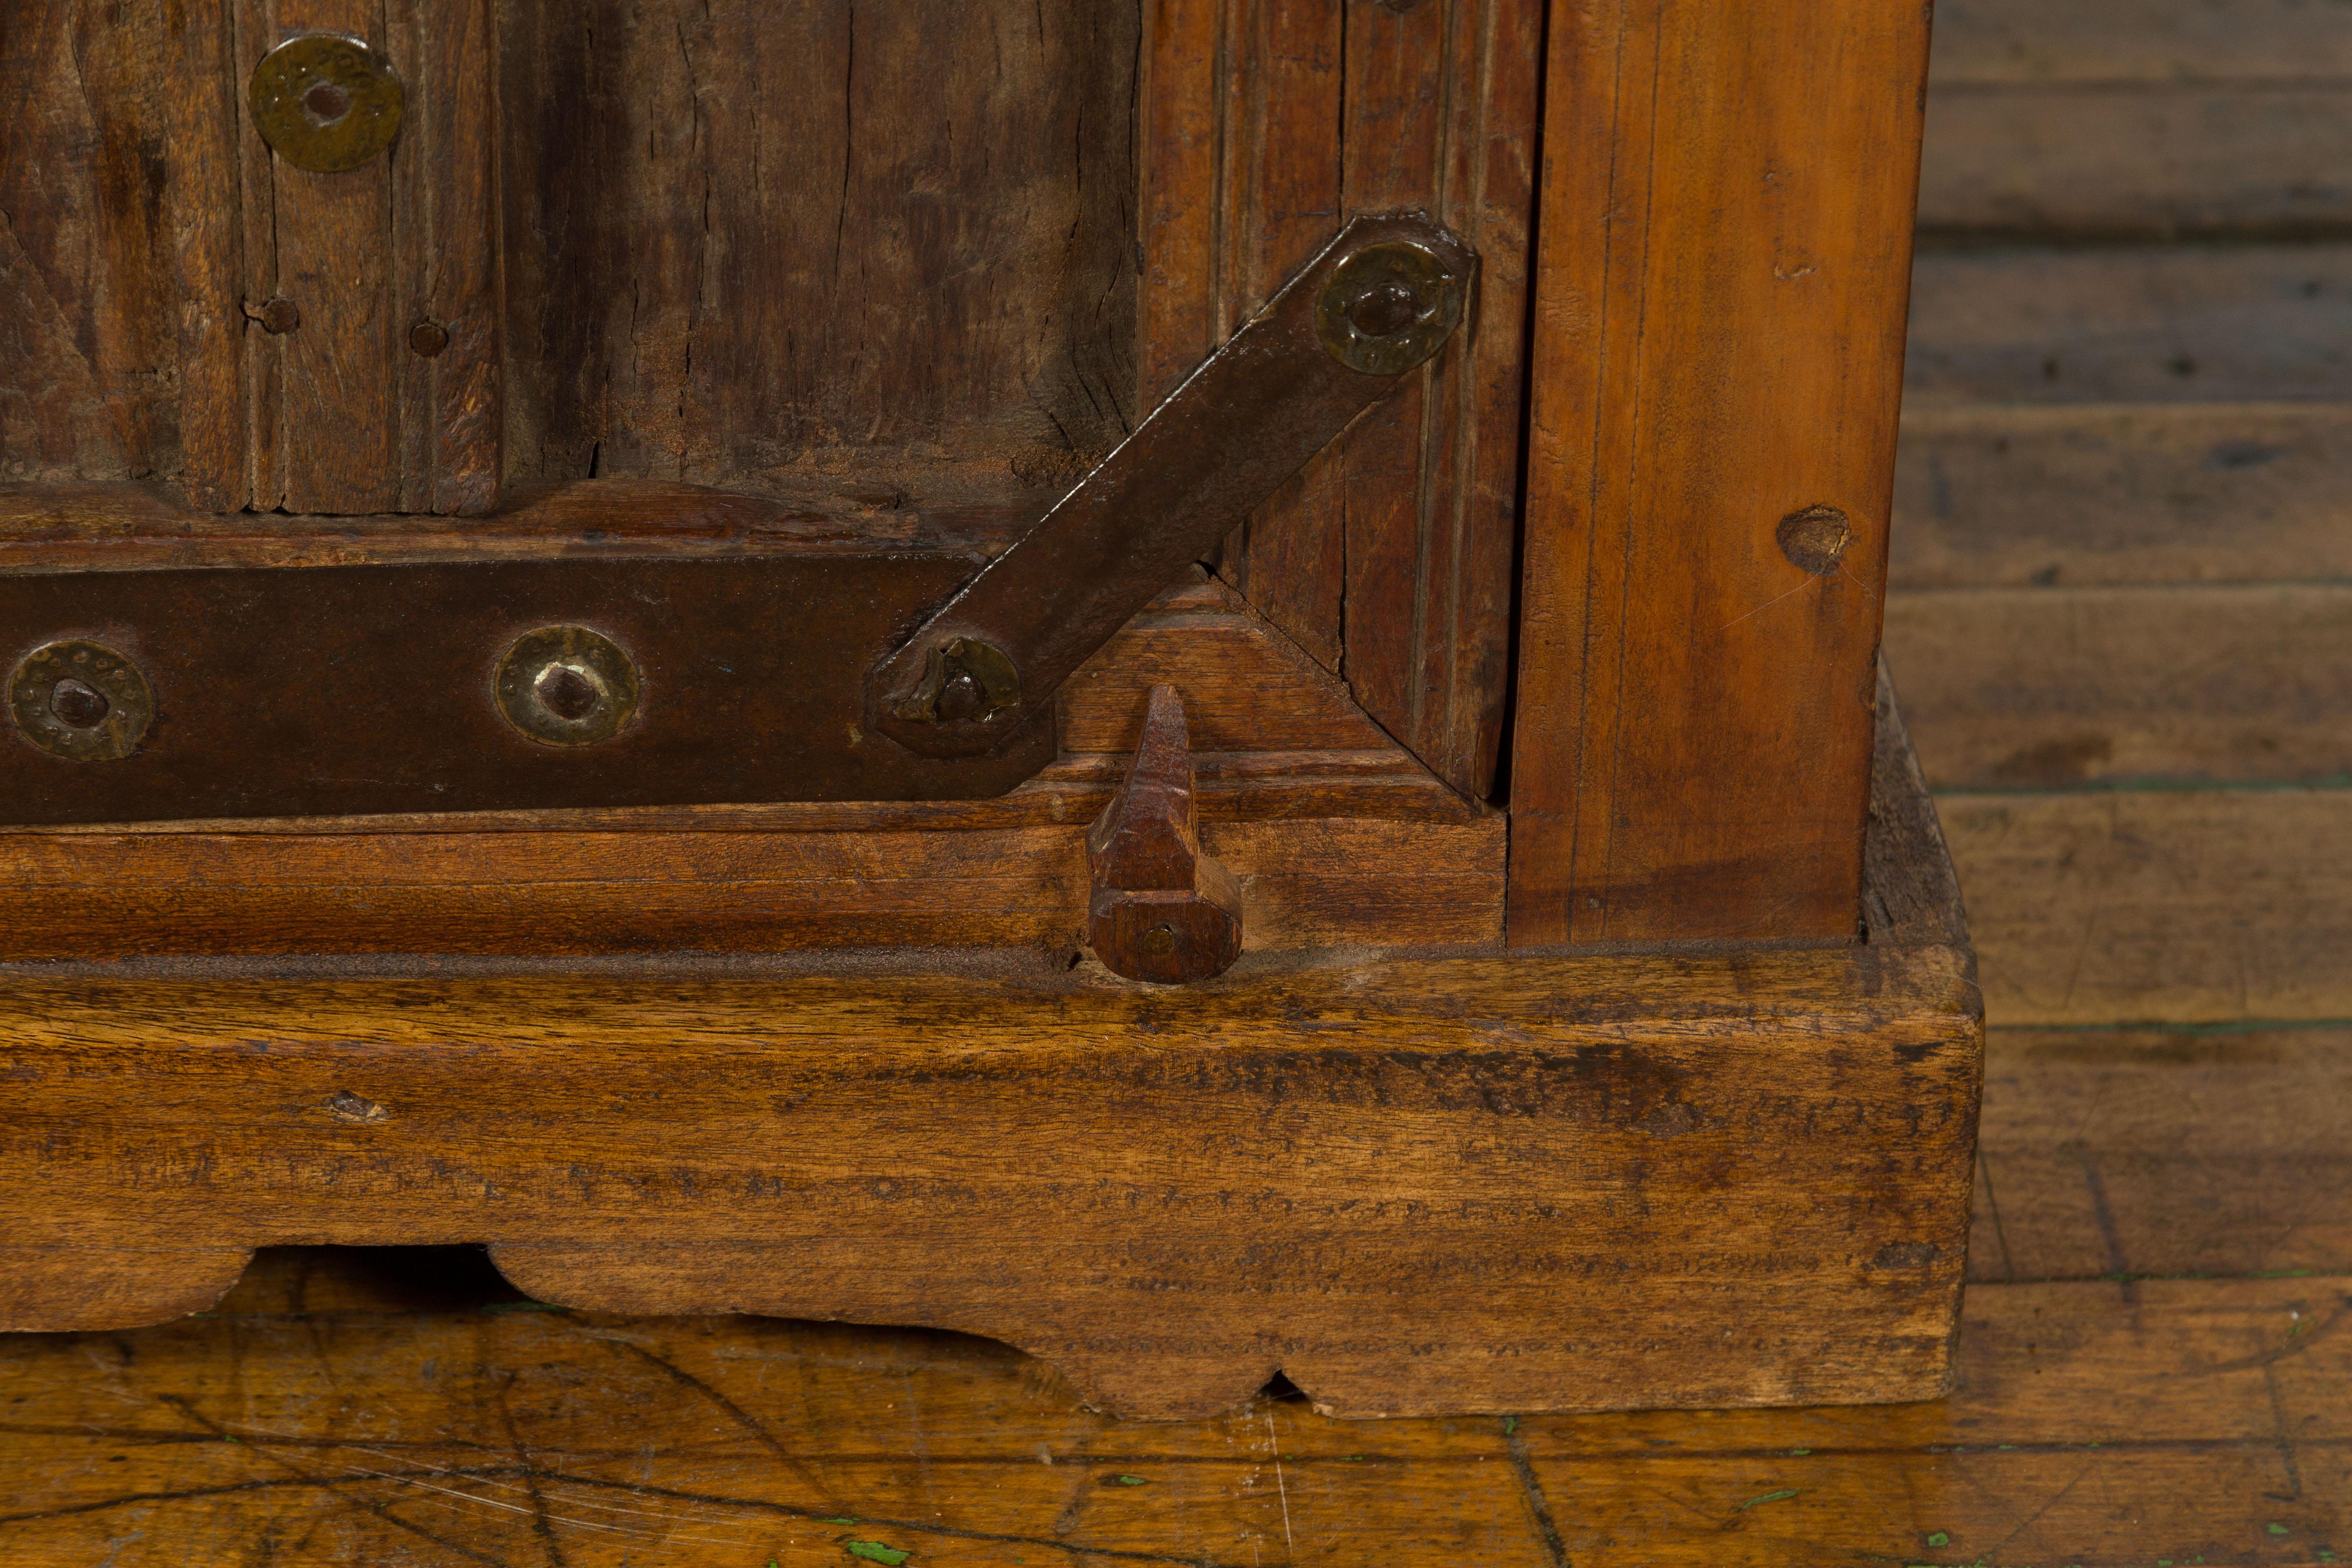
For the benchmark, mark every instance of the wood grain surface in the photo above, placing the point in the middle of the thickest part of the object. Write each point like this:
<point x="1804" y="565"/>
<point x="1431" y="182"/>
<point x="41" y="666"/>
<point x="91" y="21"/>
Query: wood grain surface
<point x="2138" y="447"/>
<point x="1721" y="280"/>
<point x="2095" y="43"/>
<point x="2023" y="687"/>
<point x="2115" y="120"/>
<point x="2159" y="906"/>
<point x="2135" y="324"/>
<point x="706" y="1141"/>
<point x="2092" y="495"/>
<point x="947" y="322"/>
<point x="884" y="250"/>
<point x="2112" y="1422"/>
<point x="446" y="243"/>
<point x="665" y="317"/>
<point x="1409" y="1182"/>
<point x="2113" y="1153"/>
<point x="412" y="1412"/>
<point x="333" y="415"/>
<point x="88" y="310"/>
<point x="1272" y="122"/>
<point x="2199" y="159"/>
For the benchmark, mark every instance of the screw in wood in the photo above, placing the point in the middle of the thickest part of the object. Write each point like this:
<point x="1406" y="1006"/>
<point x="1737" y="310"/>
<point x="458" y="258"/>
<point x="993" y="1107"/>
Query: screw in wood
<point x="78" y="703"/>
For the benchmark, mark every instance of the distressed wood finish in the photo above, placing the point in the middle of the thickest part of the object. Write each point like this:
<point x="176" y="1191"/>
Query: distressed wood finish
<point x="1718" y="344"/>
<point x="669" y="319"/>
<point x="342" y="415"/>
<point x="1661" y="1136"/>
<point x="2031" y="688"/>
<point x="878" y="251"/>
<point x="356" y="1406"/>
<point x="326" y="396"/>
<point x="824" y="342"/>
<point x="1313" y="879"/>
<point x="444" y="242"/>
<point x="1270" y="122"/>
<point x="2191" y="907"/>
<point x="88" y="320"/>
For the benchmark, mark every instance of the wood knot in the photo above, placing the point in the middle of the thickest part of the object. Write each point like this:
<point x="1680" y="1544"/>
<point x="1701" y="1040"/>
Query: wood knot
<point x="1815" y="539"/>
<point x="345" y="1106"/>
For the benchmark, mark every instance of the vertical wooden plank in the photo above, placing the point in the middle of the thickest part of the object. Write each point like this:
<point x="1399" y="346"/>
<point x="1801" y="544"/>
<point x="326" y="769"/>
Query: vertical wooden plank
<point x="1390" y="558"/>
<point x="342" y="414"/>
<point x="1471" y="444"/>
<point x="207" y="255"/>
<point x="454" y="297"/>
<point x="1240" y="186"/>
<point x="1177" y="191"/>
<point x="87" y="312"/>
<point x="408" y="44"/>
<point x="254" y="31"/>
<point x="335" y="261"/>
<point x="468" y="302"/>
<point x="1722" y="280"/>
<point x="1279" y="203"/>
<point x="1400" y="77"/>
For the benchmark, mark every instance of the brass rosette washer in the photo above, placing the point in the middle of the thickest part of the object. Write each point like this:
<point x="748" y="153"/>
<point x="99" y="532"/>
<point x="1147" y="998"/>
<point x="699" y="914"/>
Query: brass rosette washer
<point x="80" y="701"/>
<point x="566" y="686"/>
<point x="326" y="101"/>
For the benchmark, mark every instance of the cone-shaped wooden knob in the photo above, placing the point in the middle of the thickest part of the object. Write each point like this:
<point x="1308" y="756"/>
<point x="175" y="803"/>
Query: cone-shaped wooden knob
<point x="1161" y="910"/>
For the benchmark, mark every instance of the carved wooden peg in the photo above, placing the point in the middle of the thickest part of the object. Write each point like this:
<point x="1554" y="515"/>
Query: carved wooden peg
<point x="1161" y="910"/>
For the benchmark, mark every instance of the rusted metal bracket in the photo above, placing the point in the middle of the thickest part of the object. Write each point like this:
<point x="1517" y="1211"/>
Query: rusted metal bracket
<point x="374" y="680"/>
<point x="1381" y="298"/>
<point x="1161" y="910"/>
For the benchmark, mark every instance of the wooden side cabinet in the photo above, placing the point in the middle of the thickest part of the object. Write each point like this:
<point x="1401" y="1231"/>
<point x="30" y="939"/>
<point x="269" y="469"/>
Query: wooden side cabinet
<point x="1192" y="683"/>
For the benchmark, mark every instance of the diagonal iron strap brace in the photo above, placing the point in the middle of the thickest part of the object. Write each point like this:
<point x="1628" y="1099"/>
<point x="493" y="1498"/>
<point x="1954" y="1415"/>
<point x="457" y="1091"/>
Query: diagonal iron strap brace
<point x="1380" y="300"/>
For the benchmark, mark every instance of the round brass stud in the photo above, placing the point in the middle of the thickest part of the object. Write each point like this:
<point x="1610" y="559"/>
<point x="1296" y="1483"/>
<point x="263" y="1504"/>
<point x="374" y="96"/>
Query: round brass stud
<point x="80" y="701"/>
<point x="326" y="102"/>
<point x="566" y="686"/>
<point x="1388" y="307"/>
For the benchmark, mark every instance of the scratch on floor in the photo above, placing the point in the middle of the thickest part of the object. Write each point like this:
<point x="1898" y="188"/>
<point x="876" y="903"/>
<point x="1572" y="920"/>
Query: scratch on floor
<point x="1280" y="1489"/>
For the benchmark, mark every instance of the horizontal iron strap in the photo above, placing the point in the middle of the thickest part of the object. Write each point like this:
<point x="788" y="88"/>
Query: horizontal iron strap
<point x="365" y="689"/>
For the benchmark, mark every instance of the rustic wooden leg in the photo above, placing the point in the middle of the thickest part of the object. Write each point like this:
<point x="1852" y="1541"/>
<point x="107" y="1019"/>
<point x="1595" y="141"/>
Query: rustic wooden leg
<point x="87" y="1288"/>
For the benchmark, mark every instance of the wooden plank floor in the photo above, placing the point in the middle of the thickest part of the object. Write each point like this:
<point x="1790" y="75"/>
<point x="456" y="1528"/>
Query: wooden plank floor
<point x="2118" y="617"/>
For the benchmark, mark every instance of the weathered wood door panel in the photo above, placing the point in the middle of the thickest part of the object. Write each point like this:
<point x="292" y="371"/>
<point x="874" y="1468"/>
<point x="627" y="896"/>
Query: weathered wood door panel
<point x="880" y="263"/>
